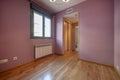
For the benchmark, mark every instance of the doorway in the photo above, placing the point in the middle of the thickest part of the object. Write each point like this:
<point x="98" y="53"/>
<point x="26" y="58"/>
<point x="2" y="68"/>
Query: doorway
<point x="70" y="32"/>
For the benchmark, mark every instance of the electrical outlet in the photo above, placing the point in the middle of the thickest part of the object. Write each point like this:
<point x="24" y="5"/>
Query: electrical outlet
<point x="3" y="61"/>
<point x="15" y="58"/>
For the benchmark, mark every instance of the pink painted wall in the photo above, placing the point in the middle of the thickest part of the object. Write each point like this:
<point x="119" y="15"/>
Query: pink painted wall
<point x="59" y="34"/>
<point x="96" y="31"/>
<point x="117" y="33"/>
<point x="15" y="33"/>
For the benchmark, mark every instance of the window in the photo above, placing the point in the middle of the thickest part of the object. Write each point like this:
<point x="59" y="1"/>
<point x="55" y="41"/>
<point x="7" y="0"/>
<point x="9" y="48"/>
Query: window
<point x="47" y="27"/>
<point x="40" y="24"/>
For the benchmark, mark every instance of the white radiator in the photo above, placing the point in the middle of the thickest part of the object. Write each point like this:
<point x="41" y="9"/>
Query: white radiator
<point x="43" y="50"/>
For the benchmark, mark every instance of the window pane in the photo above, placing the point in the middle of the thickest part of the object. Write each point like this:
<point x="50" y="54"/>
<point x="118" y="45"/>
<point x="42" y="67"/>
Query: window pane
<point x="47" y="27"/>
<point x="38" y="25"/>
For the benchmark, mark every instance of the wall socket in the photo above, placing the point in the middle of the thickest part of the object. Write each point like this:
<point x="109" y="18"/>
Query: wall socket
<point x="3" y="61"/>
<point x="15" y="58"/>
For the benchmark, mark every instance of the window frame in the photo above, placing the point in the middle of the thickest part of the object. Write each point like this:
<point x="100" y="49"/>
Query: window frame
<point x="44" y="14"/>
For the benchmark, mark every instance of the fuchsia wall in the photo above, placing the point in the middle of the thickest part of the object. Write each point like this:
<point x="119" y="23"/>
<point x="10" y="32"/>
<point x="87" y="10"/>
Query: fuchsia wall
<point x="117" y="33"/>
<point x="15" y="33"/>
<point x="96" y="31"/>
<point x="59" y="34"/>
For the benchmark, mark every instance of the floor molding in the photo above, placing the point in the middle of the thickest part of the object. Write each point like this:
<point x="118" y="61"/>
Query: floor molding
<point x="97" y="63"/>
<point x="10" y="69"/>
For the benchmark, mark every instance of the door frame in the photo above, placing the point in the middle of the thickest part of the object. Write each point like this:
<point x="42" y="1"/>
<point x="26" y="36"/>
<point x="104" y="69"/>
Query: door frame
<point x="78" y="32"/>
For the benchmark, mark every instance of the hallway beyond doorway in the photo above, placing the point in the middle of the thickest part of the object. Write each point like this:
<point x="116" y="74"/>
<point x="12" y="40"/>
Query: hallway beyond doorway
<point x="70" y="31"/>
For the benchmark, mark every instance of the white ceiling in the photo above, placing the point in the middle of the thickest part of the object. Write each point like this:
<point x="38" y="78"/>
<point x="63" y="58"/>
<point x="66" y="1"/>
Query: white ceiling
<point x="59" y="5"/>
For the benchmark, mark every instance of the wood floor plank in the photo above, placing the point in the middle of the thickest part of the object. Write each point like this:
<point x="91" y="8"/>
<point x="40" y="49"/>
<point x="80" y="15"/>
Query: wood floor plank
<point x="66" y="67"/>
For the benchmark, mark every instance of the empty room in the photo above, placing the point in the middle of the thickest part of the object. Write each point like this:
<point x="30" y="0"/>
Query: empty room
<point x="59" y="39"/>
